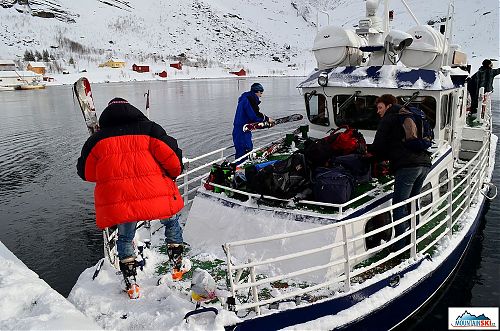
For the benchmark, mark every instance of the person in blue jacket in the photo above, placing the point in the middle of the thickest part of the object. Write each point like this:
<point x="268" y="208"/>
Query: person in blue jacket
<point x="248" y="111"/>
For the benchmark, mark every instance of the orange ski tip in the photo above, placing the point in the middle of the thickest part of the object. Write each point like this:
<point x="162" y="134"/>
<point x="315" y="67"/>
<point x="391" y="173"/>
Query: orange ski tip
<point x="134" y="292"/>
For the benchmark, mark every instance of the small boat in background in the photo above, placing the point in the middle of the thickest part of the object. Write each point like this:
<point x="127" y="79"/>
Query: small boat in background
<point x="20" y="80"/>
<point x="30" y="87"/>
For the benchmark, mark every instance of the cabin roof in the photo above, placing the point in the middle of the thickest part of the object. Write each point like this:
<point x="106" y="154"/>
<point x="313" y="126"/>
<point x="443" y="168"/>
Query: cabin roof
<point x="37" y="64"/>
<point x="389" y="76"/>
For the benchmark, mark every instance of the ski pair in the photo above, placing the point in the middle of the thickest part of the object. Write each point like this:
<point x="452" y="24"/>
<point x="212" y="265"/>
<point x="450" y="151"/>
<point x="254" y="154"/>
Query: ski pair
<point x="264" y="125"/>
<point x="267" y="151"/>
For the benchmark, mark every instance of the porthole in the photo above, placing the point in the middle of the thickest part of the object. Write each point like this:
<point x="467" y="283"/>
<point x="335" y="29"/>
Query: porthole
<point x="375" y="223"/>
<point x="443" y="176"/>
<point x="426" y="199"/>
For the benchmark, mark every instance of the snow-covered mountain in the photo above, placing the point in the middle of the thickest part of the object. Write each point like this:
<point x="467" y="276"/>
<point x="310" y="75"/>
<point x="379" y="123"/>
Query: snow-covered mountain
<point x="215" y="33"/>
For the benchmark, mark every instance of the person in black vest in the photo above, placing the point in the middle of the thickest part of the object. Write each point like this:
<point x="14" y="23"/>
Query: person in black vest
<point x="482" y="78"/>
<point x="410" y="168"/>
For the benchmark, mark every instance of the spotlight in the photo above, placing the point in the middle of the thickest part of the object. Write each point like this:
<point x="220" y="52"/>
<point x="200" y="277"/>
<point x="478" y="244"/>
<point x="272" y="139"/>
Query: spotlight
<point x="323" y="79"/>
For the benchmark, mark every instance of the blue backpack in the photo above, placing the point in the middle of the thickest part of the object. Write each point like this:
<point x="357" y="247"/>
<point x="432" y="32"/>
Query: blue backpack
<point x="423" y="138"/>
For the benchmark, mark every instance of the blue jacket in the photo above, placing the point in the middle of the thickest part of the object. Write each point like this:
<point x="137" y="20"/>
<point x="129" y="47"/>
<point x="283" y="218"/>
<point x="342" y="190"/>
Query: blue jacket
<point x="247" y="112"/>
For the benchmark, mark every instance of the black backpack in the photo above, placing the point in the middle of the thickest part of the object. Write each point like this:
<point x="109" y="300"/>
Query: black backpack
<point x="282" y="179"/>
<point x="425" y="134"/>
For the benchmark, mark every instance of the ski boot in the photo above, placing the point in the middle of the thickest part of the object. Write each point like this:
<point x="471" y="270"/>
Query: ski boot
<point x="180" y="265"/>
<point x="128" y="267"/>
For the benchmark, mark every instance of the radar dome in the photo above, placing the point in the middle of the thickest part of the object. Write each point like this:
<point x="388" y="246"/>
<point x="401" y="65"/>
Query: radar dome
<point x="335" y="46"/>
<point x="427" y="49"/>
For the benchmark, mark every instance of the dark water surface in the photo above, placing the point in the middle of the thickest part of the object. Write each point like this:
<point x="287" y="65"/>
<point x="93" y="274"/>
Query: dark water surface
<point x="46" y="211"/>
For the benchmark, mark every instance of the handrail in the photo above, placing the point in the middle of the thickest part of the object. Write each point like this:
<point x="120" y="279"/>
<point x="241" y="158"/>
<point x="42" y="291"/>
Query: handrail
<point x="110" y="236"/>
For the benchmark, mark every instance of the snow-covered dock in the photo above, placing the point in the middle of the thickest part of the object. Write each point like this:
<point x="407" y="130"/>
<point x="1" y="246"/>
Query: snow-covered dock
<point x="29" y="303"/>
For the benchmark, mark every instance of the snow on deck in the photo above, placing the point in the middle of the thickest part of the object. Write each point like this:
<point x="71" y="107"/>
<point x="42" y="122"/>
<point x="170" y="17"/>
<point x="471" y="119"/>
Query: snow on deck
<point x="159" y="308"/>
<point x="28" y="303"/>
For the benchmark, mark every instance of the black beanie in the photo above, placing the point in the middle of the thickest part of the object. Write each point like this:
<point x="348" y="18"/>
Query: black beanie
<point x="486" y="63"/>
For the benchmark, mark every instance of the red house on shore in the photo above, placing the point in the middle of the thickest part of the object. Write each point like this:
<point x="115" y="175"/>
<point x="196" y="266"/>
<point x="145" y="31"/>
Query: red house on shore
<point x="162" y="74"/>
<point x="242" y="72"/>
<point x="177" y="65"/>
<point x="140" y="67"/>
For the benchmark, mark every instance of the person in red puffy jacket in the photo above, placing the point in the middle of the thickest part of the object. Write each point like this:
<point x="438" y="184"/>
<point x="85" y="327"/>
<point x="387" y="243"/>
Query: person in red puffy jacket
<point x="134" y="164"/>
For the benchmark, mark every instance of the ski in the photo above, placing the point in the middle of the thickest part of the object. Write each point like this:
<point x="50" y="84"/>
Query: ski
<point x="264" y="125"/>
<point x="83" y="93"/>
<point x="274" y="147"/>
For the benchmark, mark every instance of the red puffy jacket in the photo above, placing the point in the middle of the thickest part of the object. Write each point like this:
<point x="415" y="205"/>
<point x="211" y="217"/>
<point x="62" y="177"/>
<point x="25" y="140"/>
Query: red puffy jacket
<point x="134" y="164"/>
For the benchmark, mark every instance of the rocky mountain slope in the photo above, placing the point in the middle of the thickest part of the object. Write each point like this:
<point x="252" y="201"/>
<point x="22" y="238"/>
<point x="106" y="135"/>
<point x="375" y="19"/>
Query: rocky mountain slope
<point x="213" y="32"/>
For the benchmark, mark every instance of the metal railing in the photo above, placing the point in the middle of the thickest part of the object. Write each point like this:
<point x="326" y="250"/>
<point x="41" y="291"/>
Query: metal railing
<point x="188" y="183"/>
<point x="464" y="187"/>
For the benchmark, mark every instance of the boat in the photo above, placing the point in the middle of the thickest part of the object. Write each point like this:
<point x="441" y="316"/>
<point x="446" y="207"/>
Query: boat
<point x="20" y="80"/>
<point x="30" y="87"/>
<point x="305" y="264"/>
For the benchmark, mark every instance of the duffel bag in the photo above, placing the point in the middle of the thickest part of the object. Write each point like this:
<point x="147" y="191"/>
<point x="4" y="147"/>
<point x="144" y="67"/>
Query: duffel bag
<point x="317" y="152"/>
<point x="358" y="166"/>
<point x="332" y="185"/>
<point x="253" y="169"/>
<point x="345" y="140"/>
<point x="282" y="179"/>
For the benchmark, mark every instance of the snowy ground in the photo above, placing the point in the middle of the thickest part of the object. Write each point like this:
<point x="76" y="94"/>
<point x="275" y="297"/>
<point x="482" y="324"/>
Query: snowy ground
<point x="29" y="303"/>
<point x="220" y="35"/>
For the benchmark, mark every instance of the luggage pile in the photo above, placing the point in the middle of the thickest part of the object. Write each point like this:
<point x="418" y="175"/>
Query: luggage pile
<point x="339" y="163"/>
<point x="325" y="170"/>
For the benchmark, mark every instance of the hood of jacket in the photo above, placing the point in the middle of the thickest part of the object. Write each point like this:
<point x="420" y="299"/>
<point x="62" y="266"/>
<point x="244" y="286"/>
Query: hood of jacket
<point x="251" y="96"/>
<point x="120" y="113"/>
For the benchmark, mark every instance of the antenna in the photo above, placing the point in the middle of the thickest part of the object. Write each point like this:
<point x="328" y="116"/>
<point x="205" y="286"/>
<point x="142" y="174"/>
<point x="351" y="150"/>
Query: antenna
<point x="447" y="34"/>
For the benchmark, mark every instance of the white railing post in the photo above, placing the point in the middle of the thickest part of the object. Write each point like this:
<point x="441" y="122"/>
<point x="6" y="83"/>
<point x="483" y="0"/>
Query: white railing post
<point x="477" y="175"/>
<point x="480" y="105"/>
<point x="449" y="223"/>
<point x="347" y="264"/>
<point x="255" y="292"/>
<point x="185" y="195"/>
<point x="226" y="248"/>
<point x="413" y="235"/>
<point x="468" y="188"/>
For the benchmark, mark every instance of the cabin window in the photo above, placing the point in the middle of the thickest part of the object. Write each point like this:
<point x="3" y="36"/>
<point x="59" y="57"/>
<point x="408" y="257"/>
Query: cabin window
<point x="426" y="199"/>
<point x="376" y="223"/>
<point x="425" y="103"/>
<point x="316" y="108"/>
<point x="443" y="176"/>
<point x="357" y="111"/>
<point x="446" y="111"/>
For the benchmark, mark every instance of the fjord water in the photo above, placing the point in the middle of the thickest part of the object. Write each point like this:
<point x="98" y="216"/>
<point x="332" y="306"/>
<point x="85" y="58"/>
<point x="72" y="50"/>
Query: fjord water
<point x="46" y="210"/>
